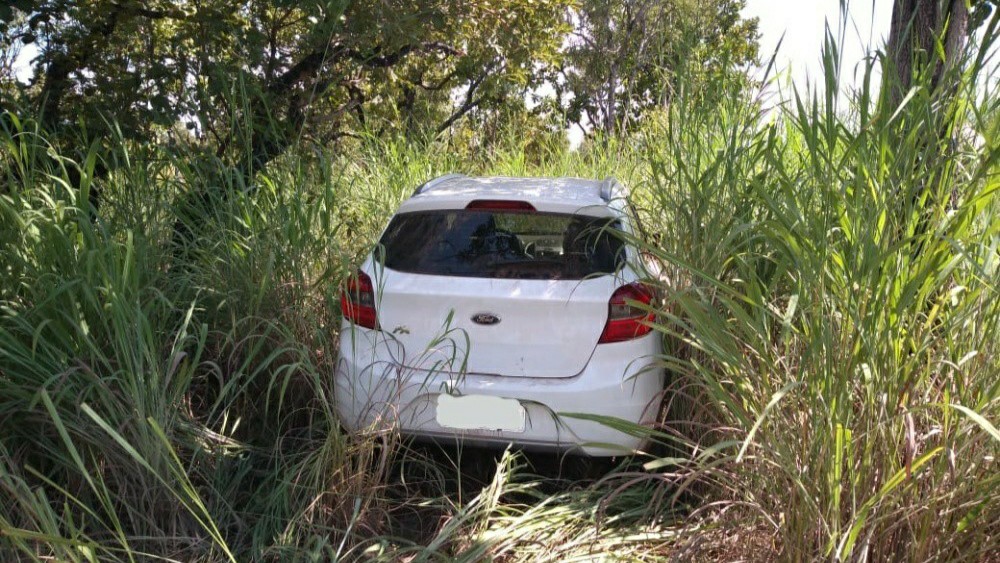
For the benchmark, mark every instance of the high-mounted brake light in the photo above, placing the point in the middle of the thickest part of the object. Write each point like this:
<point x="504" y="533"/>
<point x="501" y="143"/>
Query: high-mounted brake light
<point x="499" y="205"/>
<point x="628" y="314"/>
<point x="357" y="302"/>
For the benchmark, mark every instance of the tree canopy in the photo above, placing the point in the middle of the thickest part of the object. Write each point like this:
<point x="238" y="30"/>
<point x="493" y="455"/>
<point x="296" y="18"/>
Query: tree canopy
<point x="265" y="74"/>
<point x="624" y="55"/>
<point x="276" y="70"/>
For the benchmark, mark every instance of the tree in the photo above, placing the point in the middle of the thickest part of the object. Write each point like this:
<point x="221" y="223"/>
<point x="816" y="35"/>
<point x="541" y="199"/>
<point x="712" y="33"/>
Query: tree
<point x="925" y="54"/>
<point x="10" y="51"/>
<point x="251" y="78"/>
<point x="923" y="33"/>
<point x="928" y="37"/>
<point x="624" y="56"/>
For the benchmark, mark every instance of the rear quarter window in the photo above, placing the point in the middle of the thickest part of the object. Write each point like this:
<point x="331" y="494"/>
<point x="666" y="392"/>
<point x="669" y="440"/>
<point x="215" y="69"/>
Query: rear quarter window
<point x="501" y="244"/>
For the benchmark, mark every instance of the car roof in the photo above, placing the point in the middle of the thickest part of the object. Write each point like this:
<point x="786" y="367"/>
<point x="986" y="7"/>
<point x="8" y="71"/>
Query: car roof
<point x="546" y="194"/>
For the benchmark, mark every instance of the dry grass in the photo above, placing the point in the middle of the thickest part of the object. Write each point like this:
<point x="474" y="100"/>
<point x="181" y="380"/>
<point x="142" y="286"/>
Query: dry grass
<point x="830" y="321"/>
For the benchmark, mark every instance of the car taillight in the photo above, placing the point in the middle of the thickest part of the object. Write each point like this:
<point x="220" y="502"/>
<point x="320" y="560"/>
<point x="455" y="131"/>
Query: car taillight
<point x="628" y="314"/>
<point x="499" y="205"/>
<point x="357" y="303"/>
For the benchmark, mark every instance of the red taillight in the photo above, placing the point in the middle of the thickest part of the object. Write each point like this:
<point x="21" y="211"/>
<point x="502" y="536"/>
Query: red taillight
<point x="628" y="314"/>
<point x="357" y="303"/>
<point x="499" y="205"/>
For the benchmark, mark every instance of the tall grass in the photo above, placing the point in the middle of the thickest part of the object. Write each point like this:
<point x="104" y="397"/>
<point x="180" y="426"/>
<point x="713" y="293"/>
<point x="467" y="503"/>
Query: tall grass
<point x="181" y="410"/>
<point x="835" y="309"/>
<point x="831" y="317"/>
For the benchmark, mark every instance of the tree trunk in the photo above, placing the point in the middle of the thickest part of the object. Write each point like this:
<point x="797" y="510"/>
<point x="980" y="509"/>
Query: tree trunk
<point x="926" y="43"/>
<point x="911" y="48"/>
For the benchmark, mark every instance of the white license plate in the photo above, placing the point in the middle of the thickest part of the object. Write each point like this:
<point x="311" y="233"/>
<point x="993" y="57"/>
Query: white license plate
<point x="480" y="412"/>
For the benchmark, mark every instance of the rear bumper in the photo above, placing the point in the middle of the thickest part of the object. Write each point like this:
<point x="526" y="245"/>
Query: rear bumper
<point x="620" y="381"/>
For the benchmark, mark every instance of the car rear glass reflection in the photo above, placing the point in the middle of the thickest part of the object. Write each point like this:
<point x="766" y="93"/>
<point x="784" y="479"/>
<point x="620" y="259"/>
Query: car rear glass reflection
<point x="496" y="244"/>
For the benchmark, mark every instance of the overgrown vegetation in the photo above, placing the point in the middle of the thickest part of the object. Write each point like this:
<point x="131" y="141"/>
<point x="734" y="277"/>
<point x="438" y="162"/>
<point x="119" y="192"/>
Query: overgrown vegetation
<point x="831" y="321"/>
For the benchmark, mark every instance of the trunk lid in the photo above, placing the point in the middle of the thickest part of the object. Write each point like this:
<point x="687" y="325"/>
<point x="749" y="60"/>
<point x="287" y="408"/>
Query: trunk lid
<point x="507" y="327"/>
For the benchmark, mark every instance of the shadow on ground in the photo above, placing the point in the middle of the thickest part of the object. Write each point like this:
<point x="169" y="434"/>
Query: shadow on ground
<point x="446" y="474"/>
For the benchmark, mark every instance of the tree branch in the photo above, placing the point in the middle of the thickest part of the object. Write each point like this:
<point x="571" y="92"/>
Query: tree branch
<point x="469" y="102"/>
<point x="63" y="64"/>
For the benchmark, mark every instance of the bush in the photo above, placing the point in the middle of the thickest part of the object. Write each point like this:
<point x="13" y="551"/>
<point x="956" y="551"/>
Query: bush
<point x="831" y="316"/>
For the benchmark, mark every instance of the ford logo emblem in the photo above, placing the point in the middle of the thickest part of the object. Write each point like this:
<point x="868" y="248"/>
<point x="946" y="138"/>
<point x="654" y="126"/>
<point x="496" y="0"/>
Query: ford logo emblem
<point x="485" y="319"/>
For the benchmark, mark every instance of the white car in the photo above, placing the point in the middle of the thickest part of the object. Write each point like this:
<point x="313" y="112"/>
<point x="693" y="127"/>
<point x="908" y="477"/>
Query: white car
<point x="500" y="311"/>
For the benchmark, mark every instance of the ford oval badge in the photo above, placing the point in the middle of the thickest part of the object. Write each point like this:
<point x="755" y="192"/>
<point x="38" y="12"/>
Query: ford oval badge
<point x="485" y="319"/>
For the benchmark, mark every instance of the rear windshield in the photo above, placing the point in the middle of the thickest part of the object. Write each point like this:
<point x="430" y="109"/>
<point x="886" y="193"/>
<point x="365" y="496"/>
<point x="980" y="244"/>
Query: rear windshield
<point x="502" y="244"/>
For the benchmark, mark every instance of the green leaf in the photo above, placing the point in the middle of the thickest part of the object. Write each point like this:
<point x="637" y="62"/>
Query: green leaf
<point x="775" y="399"/>
<point x="978" y="419"/>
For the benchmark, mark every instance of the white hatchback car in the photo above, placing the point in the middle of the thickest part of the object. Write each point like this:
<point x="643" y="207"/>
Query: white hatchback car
<point x="501" y="311"/>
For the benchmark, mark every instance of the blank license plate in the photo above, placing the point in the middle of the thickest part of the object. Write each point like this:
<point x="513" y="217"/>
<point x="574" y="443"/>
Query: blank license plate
<point x="480" y="412"/>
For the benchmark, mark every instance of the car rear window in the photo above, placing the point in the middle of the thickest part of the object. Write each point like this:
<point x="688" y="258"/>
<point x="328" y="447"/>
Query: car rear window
<point x="502" y="244"/>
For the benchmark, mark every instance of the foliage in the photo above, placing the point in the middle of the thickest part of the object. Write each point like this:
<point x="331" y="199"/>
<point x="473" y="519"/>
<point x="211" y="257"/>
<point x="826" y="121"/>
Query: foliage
<point x="247" y="80"/>
<point x="929" y="38"/>
<point x="833" y="299"/>
<point x="830" y="317"/>
<point x="624" y="57"/>
<point x="260" y="75"/>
